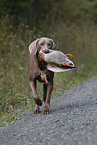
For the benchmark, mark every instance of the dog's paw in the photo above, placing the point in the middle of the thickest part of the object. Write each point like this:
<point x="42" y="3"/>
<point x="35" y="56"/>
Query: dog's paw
<point x="46" y="110"/>
<point x="37" y="109"/>
<point x="38" y="101"/>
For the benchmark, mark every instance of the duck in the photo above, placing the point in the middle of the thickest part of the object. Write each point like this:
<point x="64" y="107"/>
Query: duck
<point x="55" y="61"/>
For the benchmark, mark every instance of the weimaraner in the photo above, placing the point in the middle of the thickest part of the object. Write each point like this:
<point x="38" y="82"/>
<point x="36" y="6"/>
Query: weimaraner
<point x="36" y="72"/>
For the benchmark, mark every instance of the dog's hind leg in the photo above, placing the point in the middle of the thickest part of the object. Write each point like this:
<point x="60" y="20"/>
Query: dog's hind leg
<point x="37" y="109"/>
<point x="45" y="91"/>
<point x="36" y="98"/>
<point x="47" y="101"/>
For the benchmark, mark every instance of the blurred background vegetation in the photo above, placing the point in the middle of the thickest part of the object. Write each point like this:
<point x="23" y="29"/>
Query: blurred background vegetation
<point x="72" y="24"/>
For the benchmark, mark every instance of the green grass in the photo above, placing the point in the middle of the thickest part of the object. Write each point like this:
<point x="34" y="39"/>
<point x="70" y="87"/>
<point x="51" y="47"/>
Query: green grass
<point x="15" y="91"/>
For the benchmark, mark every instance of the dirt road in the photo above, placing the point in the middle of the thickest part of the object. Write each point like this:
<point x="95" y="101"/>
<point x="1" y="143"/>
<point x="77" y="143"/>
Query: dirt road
<point x="73" y="121"/>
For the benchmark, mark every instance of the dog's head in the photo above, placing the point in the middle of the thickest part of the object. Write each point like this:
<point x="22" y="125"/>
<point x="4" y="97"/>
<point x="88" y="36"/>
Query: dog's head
<point x="44" y="44"/>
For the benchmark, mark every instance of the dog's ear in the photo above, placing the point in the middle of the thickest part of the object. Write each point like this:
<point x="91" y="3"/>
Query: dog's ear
<point x="37" y="45"/>
<point x="53" y="44"/>
<point x="33" y="47"/>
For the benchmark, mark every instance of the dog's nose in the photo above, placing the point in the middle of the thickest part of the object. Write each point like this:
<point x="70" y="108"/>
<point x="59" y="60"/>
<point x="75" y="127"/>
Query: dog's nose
<point x="45" y="50"/>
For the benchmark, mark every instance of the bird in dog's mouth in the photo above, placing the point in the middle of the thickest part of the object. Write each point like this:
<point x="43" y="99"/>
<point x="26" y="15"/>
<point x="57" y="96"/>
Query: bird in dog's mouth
<point x="55" y="61"/>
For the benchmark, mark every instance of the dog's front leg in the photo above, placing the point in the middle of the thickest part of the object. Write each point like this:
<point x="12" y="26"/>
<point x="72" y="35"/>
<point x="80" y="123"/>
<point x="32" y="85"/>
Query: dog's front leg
<point x="36" y="98"/>
<point x="47" y="101"/>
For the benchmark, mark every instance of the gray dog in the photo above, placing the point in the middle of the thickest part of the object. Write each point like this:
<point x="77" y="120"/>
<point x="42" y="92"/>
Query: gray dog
<point x="36" y="72"/>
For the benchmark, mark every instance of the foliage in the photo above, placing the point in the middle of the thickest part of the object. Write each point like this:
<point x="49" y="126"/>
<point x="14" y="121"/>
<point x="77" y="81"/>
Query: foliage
<point x="32" y="12"/>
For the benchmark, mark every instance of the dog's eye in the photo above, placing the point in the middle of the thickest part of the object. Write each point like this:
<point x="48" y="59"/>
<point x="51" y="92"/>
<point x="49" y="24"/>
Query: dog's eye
<point x="42" y="43"/>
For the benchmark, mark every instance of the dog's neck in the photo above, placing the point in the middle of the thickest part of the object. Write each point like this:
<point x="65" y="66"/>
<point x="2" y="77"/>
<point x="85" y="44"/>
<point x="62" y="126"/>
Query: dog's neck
<point x="41" y="63"/>
<point x="37" y="53"/>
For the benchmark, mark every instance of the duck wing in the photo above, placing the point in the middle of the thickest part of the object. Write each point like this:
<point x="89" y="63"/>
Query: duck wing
<point x="58" y="68"/>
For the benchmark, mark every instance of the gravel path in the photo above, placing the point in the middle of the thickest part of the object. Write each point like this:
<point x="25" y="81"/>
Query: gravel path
<point x="73" y="121"/>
